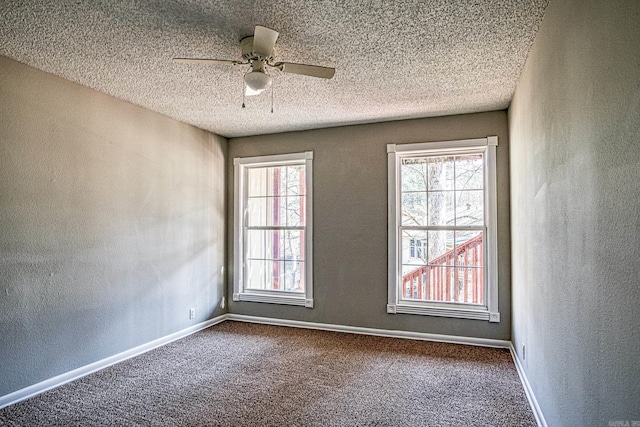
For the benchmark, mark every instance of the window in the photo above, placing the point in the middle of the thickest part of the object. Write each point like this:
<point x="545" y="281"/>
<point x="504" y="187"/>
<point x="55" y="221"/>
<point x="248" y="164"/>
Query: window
<point x="442" y="229"/>
<point x="272" y="229"/>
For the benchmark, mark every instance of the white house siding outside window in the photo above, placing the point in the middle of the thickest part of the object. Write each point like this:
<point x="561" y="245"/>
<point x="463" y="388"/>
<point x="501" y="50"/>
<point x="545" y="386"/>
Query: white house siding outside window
<point x="273" y="229"/>
<point x="442" y="229"/>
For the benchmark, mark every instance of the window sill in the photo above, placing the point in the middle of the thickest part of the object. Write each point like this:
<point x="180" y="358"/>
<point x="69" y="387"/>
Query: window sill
<point x="460" y="313"/>
<point x="286" y="299"/>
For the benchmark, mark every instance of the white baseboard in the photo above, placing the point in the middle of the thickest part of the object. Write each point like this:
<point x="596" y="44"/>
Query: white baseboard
<point x="32" y="390"/>
<point x="482" y="342"/>
<point x="533" y="402"/>
<point x="59" y="380"/>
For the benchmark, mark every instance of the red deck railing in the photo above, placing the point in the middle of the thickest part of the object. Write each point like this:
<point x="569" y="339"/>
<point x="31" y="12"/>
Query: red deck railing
<point x="455" y="276"/>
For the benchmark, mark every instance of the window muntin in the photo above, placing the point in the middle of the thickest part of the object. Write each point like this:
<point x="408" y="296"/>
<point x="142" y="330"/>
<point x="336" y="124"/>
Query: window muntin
<point x="273" y="247"/>
<point x="442" y="204"/>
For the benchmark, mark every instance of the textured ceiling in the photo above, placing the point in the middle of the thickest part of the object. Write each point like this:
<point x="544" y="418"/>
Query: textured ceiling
<point x="394" y="59"/>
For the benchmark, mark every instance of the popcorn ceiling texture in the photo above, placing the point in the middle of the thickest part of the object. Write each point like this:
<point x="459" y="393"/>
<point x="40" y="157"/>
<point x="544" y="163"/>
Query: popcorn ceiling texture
<point x="394" y="60"/>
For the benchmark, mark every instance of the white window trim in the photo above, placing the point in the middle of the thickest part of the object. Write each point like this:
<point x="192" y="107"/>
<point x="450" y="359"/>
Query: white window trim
<point x="274" y="297"/>
<point x="395" y="304"/>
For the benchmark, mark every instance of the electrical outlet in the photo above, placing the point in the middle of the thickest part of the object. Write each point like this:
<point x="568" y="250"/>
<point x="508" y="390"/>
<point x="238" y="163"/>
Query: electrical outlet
<point x="192" y="313"/>
<point x="523" y="352"/>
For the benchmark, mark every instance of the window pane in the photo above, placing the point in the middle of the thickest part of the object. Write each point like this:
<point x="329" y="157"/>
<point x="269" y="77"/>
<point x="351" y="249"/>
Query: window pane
<point x="440" y="249"/>
<point x="265" y="275"/>
<point x="469" y="172"/>
<point x="256" y="273"/>
<point x="270" y="181"/>
<point x="294" y="272"/>
<point x="257" y="211"/>
<point x="294" y="210"/>
<point x="440" y="283"/>
<point x="440" y="173"/>
<point x="276" y="281"/>
<point x="257" y="182"/>
<point x="441" y="208"/>
<point x="266" y="211"/>
<point x="470" y="285"/>
<point x="280" y="180"/>
<point x="470" y="207"/>
<point x="414" y="255"/>
<point x="293" y="244"/>
<point x="265" y="244"/>
<point x="295" y="180"/>
<point x="414" y="281"/>
<point x="414" y="208"/>
<point x="469" y="248"/>
<point x="413" y="174"/>
<point x="259" y="244"/>
<point x="414" y="247"/>
<point x="468" y="279"/>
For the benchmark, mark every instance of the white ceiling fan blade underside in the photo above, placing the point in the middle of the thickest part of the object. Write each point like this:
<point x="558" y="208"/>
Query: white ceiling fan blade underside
<point x="206" y="61"/>
<point x="264" y="40"/>
<point x="306" y="70"/>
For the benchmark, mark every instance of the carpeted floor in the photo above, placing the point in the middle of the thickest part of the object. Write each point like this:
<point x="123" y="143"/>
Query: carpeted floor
<point x="241" y="374"/>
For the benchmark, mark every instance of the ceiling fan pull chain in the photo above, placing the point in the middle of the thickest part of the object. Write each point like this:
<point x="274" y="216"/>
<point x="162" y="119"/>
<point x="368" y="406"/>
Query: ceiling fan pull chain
<point x="243" y="92"/>
<point x="272" y="99"/>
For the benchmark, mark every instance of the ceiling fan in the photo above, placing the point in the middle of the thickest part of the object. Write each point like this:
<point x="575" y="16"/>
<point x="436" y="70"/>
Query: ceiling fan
<point x="258" y="52"/>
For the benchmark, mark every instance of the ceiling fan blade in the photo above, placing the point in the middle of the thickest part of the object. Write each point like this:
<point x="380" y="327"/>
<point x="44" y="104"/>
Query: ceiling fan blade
<point x="205" y="61"/>
<point x="264" y="39"/>
<point x="306" y="70"/>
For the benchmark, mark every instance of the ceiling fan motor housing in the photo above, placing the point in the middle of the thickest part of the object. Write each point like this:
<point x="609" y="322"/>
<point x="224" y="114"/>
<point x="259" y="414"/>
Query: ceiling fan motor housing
<point x="246" y="45"/>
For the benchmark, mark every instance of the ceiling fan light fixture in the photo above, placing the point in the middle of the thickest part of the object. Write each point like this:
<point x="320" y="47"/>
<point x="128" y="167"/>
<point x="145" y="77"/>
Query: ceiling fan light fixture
<point x="258" y="81"/>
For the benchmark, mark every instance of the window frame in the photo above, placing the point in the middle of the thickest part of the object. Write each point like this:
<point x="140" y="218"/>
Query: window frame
<point x="395" y="304"/>
<point x="241" y="166"/>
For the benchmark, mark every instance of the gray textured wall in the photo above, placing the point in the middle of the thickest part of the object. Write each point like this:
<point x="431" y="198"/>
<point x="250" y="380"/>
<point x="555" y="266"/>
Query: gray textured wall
<point x="111" y="225"/>
<point x="575" y="179"/>
<point x="350" y="221"/>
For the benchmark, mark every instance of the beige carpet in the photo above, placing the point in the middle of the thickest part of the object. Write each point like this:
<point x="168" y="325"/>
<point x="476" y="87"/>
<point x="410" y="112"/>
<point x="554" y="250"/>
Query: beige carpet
<point x="239" y="374"/>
